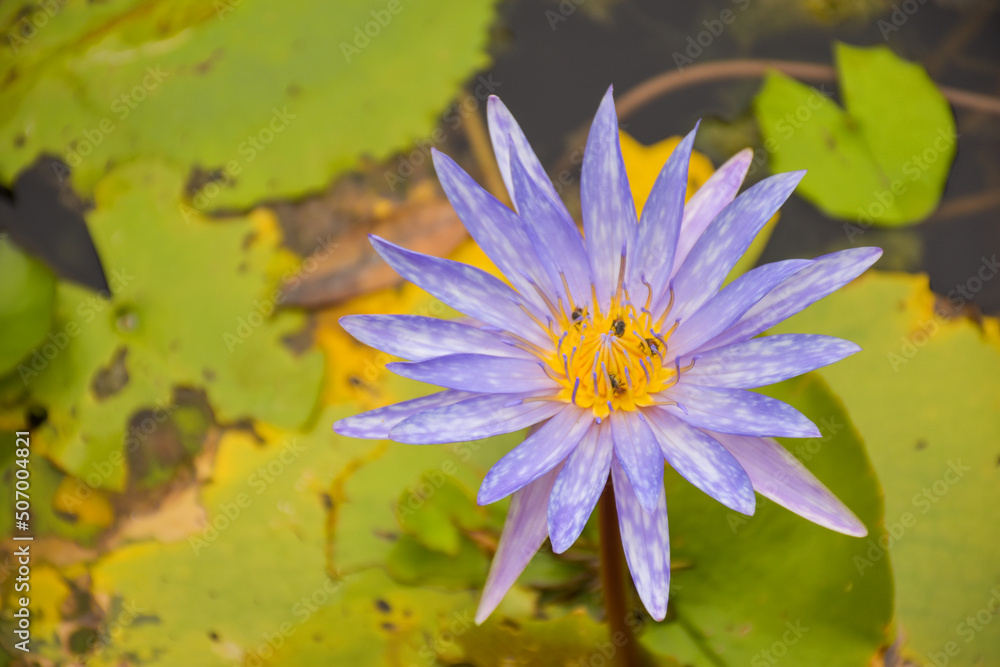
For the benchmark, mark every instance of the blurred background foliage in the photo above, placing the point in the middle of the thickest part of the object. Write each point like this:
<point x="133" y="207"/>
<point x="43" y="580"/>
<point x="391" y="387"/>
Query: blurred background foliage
<point x="187" y="193"/>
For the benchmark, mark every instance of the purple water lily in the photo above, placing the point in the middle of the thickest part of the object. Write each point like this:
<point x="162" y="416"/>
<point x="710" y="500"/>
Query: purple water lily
<point x="617" y="346"/>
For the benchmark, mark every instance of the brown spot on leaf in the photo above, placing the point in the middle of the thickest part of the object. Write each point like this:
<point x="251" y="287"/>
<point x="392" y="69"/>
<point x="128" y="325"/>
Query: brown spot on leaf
<point x="111" y="379"/>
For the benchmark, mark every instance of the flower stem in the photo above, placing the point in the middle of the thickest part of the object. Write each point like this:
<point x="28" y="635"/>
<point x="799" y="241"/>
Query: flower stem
<point x="613" y="581"/>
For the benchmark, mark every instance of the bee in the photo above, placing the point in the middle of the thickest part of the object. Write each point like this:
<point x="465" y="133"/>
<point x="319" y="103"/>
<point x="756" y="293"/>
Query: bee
<point x="578" y="313"/>
<point x="654" y="345"/>
<point x="618" y="327"/>
<point x="616" y="384"/>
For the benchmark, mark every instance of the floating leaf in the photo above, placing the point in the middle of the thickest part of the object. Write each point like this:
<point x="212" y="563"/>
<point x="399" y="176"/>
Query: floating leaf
<point x="563" y="640"/>
<point x="388" y="491"/>
<point x="60" y="505"/>
<point x="128" y="353"/>
<point x="884" y="160"/>
<point x="255" y="99"/>
<point x="265" y="512"/>
<point x="925" y="393"/>
<point x="751" y="590"/>
<point x="376" y="622"/>
<point x="27" y="294"/>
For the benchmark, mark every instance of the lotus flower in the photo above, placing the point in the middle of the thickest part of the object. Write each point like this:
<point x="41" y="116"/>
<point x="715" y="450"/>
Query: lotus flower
<point x="620" y="347"/>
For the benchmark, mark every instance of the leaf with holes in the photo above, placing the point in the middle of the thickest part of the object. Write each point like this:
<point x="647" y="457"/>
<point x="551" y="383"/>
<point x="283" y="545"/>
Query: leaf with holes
<point x="129" y="352"/>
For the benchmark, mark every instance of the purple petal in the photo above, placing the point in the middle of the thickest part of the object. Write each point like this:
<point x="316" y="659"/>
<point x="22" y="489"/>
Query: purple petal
<point x="646" y="540"/>
<point x="523" y="533"/>
<point x="727" y="306"/>
<point x="478" y="417"/>
<point x="762" y="361"/>
<point x="713" y="196"/>
<point x="826" y="275"/>
<point x="506" y="134"/>
<point x="638" y="451"/>
<point x="702" y="461"/>
<point x="778" y="475"/>
<point x="726" y="239"/>
<point x="609" y="221"/>
<point x="377" y="423"/>
<point x="553" y="233"/>
<point x="417" y="338"/>
<point x="659" y="227"/>
<point x="539" y="453"/>
<point x="737" y="411"/>
<point x="579" y="487"/>
<point x="478" y="372"/>
<point x="497" y="229"/>
<point x="464" y="288"/>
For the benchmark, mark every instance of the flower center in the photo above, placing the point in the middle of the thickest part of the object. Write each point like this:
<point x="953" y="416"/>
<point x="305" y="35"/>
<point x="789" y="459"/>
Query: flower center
<point x="608" y="360"/>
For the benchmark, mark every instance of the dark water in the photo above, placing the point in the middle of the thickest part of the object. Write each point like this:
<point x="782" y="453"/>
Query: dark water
<point x="553" y="62"/>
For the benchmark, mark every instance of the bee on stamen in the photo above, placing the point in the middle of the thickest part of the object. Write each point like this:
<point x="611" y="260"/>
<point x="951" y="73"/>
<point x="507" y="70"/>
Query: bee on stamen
<point x="578" y="313"/>
<point x="616" y="385"/>
<point x="618" y="327"/>
<point x="654" y="345"/>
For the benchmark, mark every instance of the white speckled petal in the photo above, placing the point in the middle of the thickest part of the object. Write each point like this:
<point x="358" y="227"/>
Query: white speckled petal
<point x="523" y="533"/>
<point x="505" y="134"/>
<point x="539" y="453"/>
<point x="660" y="224"/>
<point x="609" y="220"/>
<point x="778" y="475"/>
<point x="377" y="423"/>
<point x="724" y="242"/>
<point x="646" y="540"/>
<point x="638" y="451"/>
<point x="714" y="195"/>
<point x="737" y="411"/>
<point x="465" y="288"/>
<point x="554" y="235"/>
<point x="723" y="309"/>
<point x="703" y="461"/>
<point x="494" y="227"/>
<point x="579" y="486"/>
<point x="417" y="338"/>
<point x="479" y="373"/>
<point x="763" y="361"/>
<point x="471" y="419"/>
<point x="826" y="275"/>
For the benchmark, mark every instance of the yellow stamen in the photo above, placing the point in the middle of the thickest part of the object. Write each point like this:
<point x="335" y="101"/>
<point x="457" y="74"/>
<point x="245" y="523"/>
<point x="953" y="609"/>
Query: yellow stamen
<point x="612" y="360"/>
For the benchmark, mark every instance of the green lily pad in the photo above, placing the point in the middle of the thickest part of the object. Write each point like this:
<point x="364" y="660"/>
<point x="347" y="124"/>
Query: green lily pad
<point x="755" y="590"/>
<point x="27" y="294"/>
<point x="925" y="393"/>
<point x="422" y="494"/>
<point x="265" y="511"/>
<point x="436" y="511"/>
<point x="46" y="519"/>
<point x="254" y="99"/>
<point x="410" y="562"/>
<point x="884" y="159"/>
<point x="117" y="355"/>
<point x="375" y="622"/>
